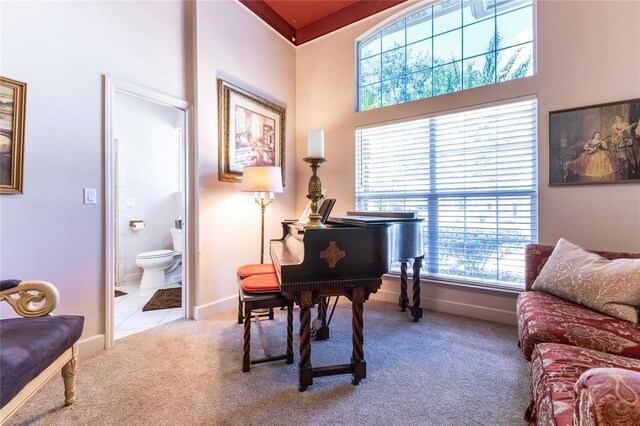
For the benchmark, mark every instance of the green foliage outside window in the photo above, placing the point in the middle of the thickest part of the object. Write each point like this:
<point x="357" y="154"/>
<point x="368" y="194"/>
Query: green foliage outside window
<point x="435" y="76"/>
<point x="446" y="47"/>
<point x="478" y="252"/>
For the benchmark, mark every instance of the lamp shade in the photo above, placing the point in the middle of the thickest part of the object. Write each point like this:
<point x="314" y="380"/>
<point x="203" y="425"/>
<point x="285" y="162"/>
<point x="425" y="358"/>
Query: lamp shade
<point x="262" y="179"/>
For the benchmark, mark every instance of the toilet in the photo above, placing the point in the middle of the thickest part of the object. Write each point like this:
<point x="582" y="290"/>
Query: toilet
<point x="162" y="267"/>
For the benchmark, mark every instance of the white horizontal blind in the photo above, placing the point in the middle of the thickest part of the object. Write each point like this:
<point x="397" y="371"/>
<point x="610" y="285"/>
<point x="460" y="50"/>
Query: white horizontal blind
<point x="471" y="175"/>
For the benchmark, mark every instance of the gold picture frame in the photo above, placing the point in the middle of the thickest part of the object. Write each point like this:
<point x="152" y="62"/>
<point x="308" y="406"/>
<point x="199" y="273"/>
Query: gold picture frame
<point x="12" y="112"/>
<point x="251" y="132"/>
<point x="595" y="144"/>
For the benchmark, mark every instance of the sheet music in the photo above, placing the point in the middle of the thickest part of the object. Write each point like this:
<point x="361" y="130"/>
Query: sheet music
<point x="304" y="218"/>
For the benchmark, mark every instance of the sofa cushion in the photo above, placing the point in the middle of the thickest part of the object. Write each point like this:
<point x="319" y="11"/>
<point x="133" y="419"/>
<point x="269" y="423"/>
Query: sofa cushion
<point x="536" y="255"/>
<point x="29" y="345"/>
<point x="586" y="278"/>
<point x="555" y="369"/>
<point x="546" y="318"/>
<point x="608" y="396"/>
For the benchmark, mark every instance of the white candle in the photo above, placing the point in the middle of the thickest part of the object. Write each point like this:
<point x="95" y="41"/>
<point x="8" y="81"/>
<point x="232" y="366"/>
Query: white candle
<point x="316" y="143"/>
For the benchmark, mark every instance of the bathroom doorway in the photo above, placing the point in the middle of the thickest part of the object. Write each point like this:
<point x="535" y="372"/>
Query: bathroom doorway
<point x="146" y="209"/>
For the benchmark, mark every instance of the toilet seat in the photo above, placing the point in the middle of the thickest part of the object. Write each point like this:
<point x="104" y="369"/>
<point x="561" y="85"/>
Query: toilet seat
<point x="155" y="254"/>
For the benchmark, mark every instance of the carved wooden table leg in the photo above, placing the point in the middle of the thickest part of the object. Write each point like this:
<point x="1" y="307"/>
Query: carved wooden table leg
<point x="305" y="371"/>
<point x="240" y="308"/>
<point x="69" y="377"/>
<point x="246" y="359"/>
<point x="357" y="357"/>
<point x="416" y="311"/>
<point x="403" y="300"/>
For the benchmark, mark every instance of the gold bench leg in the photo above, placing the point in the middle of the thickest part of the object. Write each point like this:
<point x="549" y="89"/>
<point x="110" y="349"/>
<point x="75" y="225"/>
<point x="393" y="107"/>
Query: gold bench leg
<point x="69" y="377"/>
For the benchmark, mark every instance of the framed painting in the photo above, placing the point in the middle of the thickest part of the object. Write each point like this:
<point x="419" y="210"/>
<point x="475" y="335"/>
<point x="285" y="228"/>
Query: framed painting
<point x="595" y="144"/>
<point x="251" y="132"/>
<point x="12" y="111"/>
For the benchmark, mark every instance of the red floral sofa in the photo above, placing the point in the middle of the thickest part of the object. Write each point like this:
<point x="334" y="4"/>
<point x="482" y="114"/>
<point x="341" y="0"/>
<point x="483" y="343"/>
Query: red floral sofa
<point x="585" y="365"/>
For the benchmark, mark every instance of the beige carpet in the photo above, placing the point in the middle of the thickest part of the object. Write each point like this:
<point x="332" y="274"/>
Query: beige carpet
<point x="443" y="370"/>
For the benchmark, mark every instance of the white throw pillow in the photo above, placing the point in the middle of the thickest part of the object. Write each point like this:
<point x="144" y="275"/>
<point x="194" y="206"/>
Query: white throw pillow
<point x="608" y="286"/>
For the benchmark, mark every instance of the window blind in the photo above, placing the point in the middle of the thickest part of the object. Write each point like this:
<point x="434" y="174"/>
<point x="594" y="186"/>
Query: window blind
<point x="472" y="177"/>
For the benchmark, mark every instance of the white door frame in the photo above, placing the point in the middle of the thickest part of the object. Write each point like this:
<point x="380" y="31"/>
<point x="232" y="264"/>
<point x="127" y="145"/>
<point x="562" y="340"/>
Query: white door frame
<point x="111" y="87"/>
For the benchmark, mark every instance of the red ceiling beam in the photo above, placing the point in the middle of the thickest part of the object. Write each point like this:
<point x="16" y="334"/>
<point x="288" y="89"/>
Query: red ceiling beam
<point x="337" y="20"/>
<point x="342" y="18"/>
<point x="269" y="16"/>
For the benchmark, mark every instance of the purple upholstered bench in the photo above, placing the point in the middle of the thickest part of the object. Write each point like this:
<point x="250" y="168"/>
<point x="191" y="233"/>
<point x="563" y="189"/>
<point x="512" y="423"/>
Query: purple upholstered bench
<point x="35" y="347"/>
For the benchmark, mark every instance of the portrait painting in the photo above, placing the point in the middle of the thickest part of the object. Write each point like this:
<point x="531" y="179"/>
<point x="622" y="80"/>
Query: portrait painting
<point x="251" y="132"/>
<point x="595" y="144"/>
<point x="12" y="112"/>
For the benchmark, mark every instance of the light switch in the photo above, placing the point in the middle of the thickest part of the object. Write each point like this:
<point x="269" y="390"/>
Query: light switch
<point x="90" y="196"/>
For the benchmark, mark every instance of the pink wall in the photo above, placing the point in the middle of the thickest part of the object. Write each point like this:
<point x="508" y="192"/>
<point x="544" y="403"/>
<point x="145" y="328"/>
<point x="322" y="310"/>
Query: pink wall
<point x="234" y="45"/>
<point x="62" y="50"/>
<point x="47" y="233"/>
<point x="576" y="67"/>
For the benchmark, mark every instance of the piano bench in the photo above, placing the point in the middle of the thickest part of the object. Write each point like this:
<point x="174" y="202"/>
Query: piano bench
<point x="248" y="270"/>
<point x="257" y="292"/>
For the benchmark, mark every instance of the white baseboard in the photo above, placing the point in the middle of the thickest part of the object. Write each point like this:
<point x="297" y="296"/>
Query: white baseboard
<point x="91" y="345"/>
<point x="133" y="278"/>
<point x="95" y="344"/>
<point x="209" y="309"/>
<point x="453" y="307"/>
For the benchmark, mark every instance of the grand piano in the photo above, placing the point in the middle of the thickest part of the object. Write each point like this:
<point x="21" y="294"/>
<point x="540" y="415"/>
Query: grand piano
<point x="347" y="258"/>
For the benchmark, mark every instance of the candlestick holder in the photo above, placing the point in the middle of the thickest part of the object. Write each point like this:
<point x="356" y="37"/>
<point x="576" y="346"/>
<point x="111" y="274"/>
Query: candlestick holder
<point x="315" y="192"/>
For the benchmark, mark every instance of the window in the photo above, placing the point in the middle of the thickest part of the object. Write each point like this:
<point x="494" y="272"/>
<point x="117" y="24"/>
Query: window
<point x="470" y="175"/>
<point x="446" y="47"/>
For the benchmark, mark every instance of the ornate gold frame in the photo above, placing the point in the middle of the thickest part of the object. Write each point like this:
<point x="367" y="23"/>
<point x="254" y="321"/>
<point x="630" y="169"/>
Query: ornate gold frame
<point x="13" y="160"/>
<point x="228" y="94"/>
<point x="571" y="129"/>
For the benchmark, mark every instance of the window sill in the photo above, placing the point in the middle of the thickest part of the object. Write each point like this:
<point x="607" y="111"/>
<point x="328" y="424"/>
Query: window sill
<point x="492" y="288"/>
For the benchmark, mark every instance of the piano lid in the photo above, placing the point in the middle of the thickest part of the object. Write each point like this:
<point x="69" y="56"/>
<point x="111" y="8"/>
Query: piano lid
<point x="361" y="218"/>
<point x="401" y="214"/>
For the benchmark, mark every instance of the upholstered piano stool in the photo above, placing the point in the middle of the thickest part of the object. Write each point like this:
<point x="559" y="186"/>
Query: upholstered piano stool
<point x="262" y="291"/>
<point x="246" y="271"/>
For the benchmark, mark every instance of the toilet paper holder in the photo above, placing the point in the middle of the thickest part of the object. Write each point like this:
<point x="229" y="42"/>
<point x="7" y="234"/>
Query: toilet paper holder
<point x="136" y="224"/>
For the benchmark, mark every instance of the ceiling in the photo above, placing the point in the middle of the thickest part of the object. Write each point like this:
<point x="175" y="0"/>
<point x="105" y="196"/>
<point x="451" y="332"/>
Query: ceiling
<point x="300" y="21"/>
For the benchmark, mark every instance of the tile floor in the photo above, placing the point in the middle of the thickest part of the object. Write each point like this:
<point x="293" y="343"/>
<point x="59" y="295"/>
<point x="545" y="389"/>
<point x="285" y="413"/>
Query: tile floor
<point x="130" y="319"/>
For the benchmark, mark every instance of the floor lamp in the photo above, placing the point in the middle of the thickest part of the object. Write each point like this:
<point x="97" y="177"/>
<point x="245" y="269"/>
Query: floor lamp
<point x="263" y="181"/>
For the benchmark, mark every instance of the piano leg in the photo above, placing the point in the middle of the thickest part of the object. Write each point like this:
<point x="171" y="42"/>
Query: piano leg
<point x="320" y="329"/>
<point x="290" y="332"/>
<point x="403" y="300"/>
<point x="416" y="309"/>
<point x="305" y="371"/>
<point x="357" y="357"/>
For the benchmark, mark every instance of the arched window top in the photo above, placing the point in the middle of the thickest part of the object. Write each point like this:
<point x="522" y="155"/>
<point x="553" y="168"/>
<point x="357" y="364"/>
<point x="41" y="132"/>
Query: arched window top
<point x="447" y="46"/>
